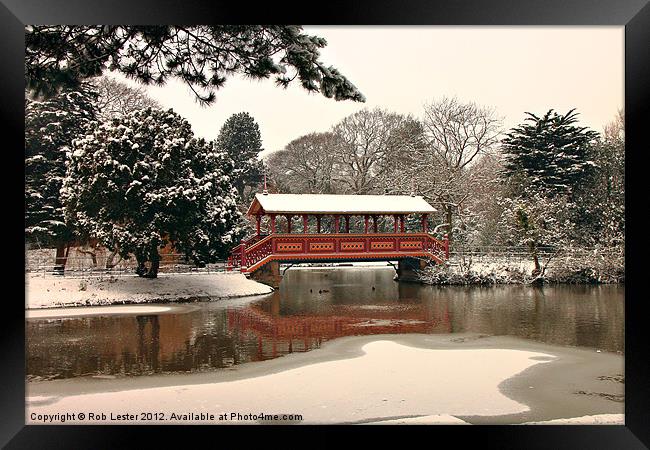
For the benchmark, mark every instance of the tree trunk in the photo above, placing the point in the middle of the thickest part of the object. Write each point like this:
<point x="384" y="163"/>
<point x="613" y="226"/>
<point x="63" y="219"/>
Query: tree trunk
<point x="533" y="251"/>
<point x="92" y="253"/>
<point x="155" y="265"/>
<point x="450" y="226"/>
<point x="111" y="256"/>
<point x="141" y="270"/>
<point x="62" y="250"/>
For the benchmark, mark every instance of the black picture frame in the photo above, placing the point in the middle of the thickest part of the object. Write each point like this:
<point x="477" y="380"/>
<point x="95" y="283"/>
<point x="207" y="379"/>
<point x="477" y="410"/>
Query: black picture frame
<point x="633" y="14"/>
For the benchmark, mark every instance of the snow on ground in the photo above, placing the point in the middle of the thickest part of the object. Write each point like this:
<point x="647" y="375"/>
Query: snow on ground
<point x="598" y="419"/>
<point x="445" y="419"/>
<point x="94" y="311"/>
<point x="413" y="382"/>
<point x="501" y="266"/>
<point x="49" y="291"/>
<point x="436" y="419"/>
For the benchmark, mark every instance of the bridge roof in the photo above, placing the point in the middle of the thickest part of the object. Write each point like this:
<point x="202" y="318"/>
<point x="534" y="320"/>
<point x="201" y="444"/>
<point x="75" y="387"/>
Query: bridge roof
<point x="338" y="204"/>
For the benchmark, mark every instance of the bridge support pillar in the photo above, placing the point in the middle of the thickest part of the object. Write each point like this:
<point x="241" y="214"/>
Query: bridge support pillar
<point x="407" y="269"/>
<point x="268" y="274"/>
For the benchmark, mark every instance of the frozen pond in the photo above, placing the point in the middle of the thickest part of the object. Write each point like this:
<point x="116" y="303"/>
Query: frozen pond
<point x="313" y="306"/>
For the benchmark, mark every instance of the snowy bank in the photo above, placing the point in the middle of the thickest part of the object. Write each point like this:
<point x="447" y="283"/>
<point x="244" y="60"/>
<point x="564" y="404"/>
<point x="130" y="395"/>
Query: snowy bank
<point x="48" y="313"/>
<point x="481" y="273"/>
<point x="598" y="419"/>
<point x="445" y="419"/>
<point x="489" y="270"/>
<point x="434" y="419"/>
<point x="49" y="291"/>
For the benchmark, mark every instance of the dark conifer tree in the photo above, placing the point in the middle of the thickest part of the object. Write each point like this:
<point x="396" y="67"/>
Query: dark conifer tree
<point x="143" y="181"/>
<point x="50" y="128"/>
<point x="202" y="56"/>
<point x="549" y="152"/>
<point x="240" y="138"/>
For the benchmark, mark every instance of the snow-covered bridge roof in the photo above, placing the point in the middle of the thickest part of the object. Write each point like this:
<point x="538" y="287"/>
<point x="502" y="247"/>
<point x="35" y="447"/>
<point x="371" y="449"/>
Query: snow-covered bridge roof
<point x="338" y="204"/>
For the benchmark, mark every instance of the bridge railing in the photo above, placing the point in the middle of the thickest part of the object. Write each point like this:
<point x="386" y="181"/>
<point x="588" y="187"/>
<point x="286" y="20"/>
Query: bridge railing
<point x="249" y="241"/>
<point x="352" y="245"/>
<point x="436" y="246"/>
<point x="238" y="253"/>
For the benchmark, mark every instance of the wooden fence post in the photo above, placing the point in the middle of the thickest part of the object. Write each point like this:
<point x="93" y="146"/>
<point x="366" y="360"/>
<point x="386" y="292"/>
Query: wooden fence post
<point x="243" y="254"/>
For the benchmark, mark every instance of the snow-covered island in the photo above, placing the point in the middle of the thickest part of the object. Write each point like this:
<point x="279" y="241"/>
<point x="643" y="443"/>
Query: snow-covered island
<point x="50" y="291"/>
<point x="598" y="266"/>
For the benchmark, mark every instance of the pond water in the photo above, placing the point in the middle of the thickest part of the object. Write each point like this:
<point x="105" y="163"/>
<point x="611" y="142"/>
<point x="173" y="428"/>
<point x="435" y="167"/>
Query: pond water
<point x="313" y="306"/>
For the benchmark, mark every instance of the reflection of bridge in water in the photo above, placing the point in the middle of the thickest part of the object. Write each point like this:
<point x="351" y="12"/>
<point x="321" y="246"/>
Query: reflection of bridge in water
<point x="286" y="334"/>
<point x="294" y="319"/>
<point x="260" y="256"/>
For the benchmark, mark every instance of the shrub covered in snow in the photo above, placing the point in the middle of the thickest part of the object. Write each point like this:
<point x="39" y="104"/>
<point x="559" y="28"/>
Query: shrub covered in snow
<point x="536" y="220"/>
<point x="143" y="180"/>
<point x="478" y="275"/>
<point x="598" y="265"/>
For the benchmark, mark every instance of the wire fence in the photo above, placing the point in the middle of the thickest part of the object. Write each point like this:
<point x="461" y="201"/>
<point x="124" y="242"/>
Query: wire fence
<point x="541" y="251"/>
<point x="505" y="251"/>
<point x="99" y="263"/>
<point x="558" y="257"/>
<point x="102" y="264"/>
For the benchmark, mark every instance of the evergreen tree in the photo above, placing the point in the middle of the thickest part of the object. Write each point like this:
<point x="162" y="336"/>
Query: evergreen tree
<point x="201" y="56"/>
<point x="50" y="128"/>
<point x="143" y="180"/>
<point x="240" y="138"/>
<point x="549" y="152"/>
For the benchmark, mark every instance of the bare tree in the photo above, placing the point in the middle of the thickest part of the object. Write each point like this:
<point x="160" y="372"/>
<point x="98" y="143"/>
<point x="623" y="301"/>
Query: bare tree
<point x="479" y="214"/>
<point x="117" y="98"/>
<point x="360" y="155"/>
<point x="305" y="165"/>
<point x="402" y="166"/>
<point x="367" y="139"/>
<point x="456" y="134"/>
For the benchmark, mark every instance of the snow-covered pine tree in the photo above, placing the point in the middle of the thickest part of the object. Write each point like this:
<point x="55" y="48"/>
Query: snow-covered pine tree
<point x="143" y="180"/>
<point x="240" y="138"/>
<point x="50" y="128"/>
<point x="202" y="56"/>
<point x="550" y="152"/>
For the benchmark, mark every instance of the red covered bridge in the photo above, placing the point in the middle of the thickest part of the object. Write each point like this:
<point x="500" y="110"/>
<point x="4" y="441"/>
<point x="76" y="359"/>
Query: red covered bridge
<point x="336" y="228"/>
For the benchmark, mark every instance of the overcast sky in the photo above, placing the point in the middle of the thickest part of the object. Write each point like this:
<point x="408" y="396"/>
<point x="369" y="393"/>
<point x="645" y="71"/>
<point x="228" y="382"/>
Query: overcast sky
<point x="400" y="68"/>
